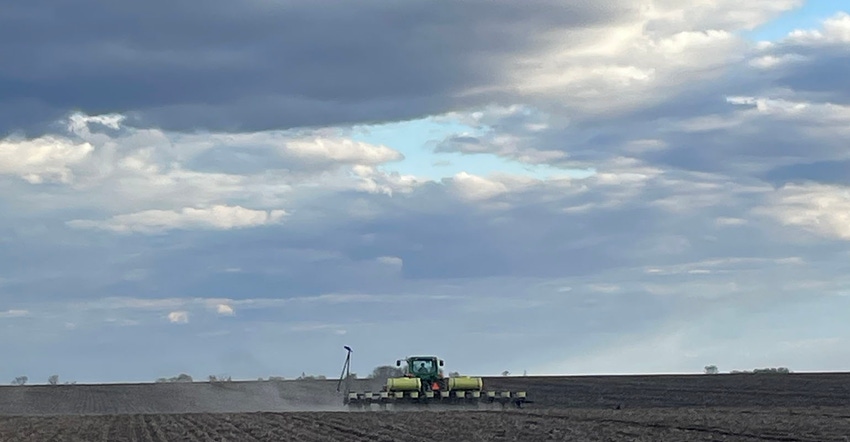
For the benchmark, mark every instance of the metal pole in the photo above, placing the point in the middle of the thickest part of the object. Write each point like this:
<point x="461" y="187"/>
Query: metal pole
<point x="346" y="369"/>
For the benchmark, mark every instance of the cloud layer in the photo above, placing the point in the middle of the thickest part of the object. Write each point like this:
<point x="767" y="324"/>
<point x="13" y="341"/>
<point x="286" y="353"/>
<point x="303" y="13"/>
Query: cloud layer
<point x="178" y="199"/>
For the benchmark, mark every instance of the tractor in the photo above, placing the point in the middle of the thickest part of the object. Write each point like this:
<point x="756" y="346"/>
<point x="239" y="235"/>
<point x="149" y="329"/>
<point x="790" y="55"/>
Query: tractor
<point x="423" y="383"/>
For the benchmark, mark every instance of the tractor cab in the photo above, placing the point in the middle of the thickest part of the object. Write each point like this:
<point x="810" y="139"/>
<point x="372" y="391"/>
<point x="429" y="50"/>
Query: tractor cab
<point x="426" y="368"/>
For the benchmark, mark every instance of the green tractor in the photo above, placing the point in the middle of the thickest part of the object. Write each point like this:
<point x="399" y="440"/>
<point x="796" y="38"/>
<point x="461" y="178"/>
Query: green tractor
<point x="423" y="374"/>
<point x="426" y="368"/>
<point x="423" y="383"/>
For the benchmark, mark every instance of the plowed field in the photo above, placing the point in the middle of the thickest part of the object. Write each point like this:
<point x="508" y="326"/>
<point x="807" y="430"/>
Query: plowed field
<point x="797" y="407"/>
<point x="585" y="425"/>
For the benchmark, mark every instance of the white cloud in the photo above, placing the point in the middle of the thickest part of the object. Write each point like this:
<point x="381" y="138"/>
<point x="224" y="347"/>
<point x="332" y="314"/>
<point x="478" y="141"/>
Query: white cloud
<point x="217" y="217"/>
<point x="44" y="159"/>
<point x="818" y="208"/>
<point x="131" y="168"/>
<point x="836" y="30"/>
<point x="393" y="261"/>
<point x="666" y="48"/>
<point x="771" y="61"/>
<point x="473" y="187"/>
<point x="179" y="317"/>
<point x="341" y="151"/>
<point x="373" y="180"/>
<point x="224" y="309"/>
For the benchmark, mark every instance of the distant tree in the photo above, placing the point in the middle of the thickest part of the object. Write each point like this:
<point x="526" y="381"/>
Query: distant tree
<point x="772" y="370"/>
<point x="711" y="369"/>
<point x="20" y="380"/>
<point x="506" y="373"/>
<point x="454" y="374"/>
<point x="385" y="372"/>
<point x="53" y="379"/>
<point x="212" y="378"/>
<point x="276" y="378"/>
<point x="306" y="377"/>
<point x="182" y="377"/>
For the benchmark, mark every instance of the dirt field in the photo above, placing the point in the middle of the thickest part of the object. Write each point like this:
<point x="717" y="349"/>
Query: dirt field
<point x="586" y="425"/>
<point x="797" y="407"/>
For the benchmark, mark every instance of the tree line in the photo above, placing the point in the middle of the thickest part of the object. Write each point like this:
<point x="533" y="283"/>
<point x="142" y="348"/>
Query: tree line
<point x="381" y="372"/>
<point x="712" y="369"/>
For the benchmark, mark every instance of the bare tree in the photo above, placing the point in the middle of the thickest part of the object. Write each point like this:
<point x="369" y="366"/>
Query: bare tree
<point x="20" y="380"/>
<point x="53" y="379"/>
<point x="711" y="369"/>
<point x="506" y="373"/>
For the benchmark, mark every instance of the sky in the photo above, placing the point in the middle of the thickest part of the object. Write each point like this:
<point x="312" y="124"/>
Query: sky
<point x="545" y="187"/>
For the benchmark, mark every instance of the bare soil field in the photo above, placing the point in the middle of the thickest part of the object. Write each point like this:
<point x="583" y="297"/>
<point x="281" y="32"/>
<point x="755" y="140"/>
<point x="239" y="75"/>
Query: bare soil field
<point x="793" y="407"/>
<point x="658" y="425"/>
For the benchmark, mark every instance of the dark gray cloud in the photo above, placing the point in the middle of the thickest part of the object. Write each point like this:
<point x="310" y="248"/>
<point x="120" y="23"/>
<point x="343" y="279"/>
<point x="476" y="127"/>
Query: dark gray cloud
<point x="823" y="76"/>
<point x="259" y="65"/>
<point x="831" y="172"/>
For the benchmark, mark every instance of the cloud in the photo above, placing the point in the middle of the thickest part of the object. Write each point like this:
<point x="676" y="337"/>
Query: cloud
<point x="342" y="151"/>
<point x="13" y="313"/>
<point x="836" y="30"/>
<point x="217" y="217"/>
<point x="148" y="179"/>
<point x="44" y="159"/>
<point x="394" y="261"/>
<point x="178" y="317"/>
<point x="817" y="208"/>
<point x="475" y="187"/>
<point x="224" y="309"/>
<point x="263" y="69"/>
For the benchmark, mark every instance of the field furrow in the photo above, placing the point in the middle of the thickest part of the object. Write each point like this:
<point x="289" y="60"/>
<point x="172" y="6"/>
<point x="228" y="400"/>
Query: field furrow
<point x="227" y="430"/>
<point x="191" y="431"/>
<point x="152" y="428"/>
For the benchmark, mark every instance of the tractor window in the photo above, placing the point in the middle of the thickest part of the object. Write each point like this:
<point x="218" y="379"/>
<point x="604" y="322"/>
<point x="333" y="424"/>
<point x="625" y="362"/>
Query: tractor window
<point x="423" y="366"/>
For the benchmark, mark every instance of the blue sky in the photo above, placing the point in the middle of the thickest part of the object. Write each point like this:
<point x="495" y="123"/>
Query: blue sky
<point x="809" y="16"/>
<point x="417" y="141"/>
<point x="639" y="192"/>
